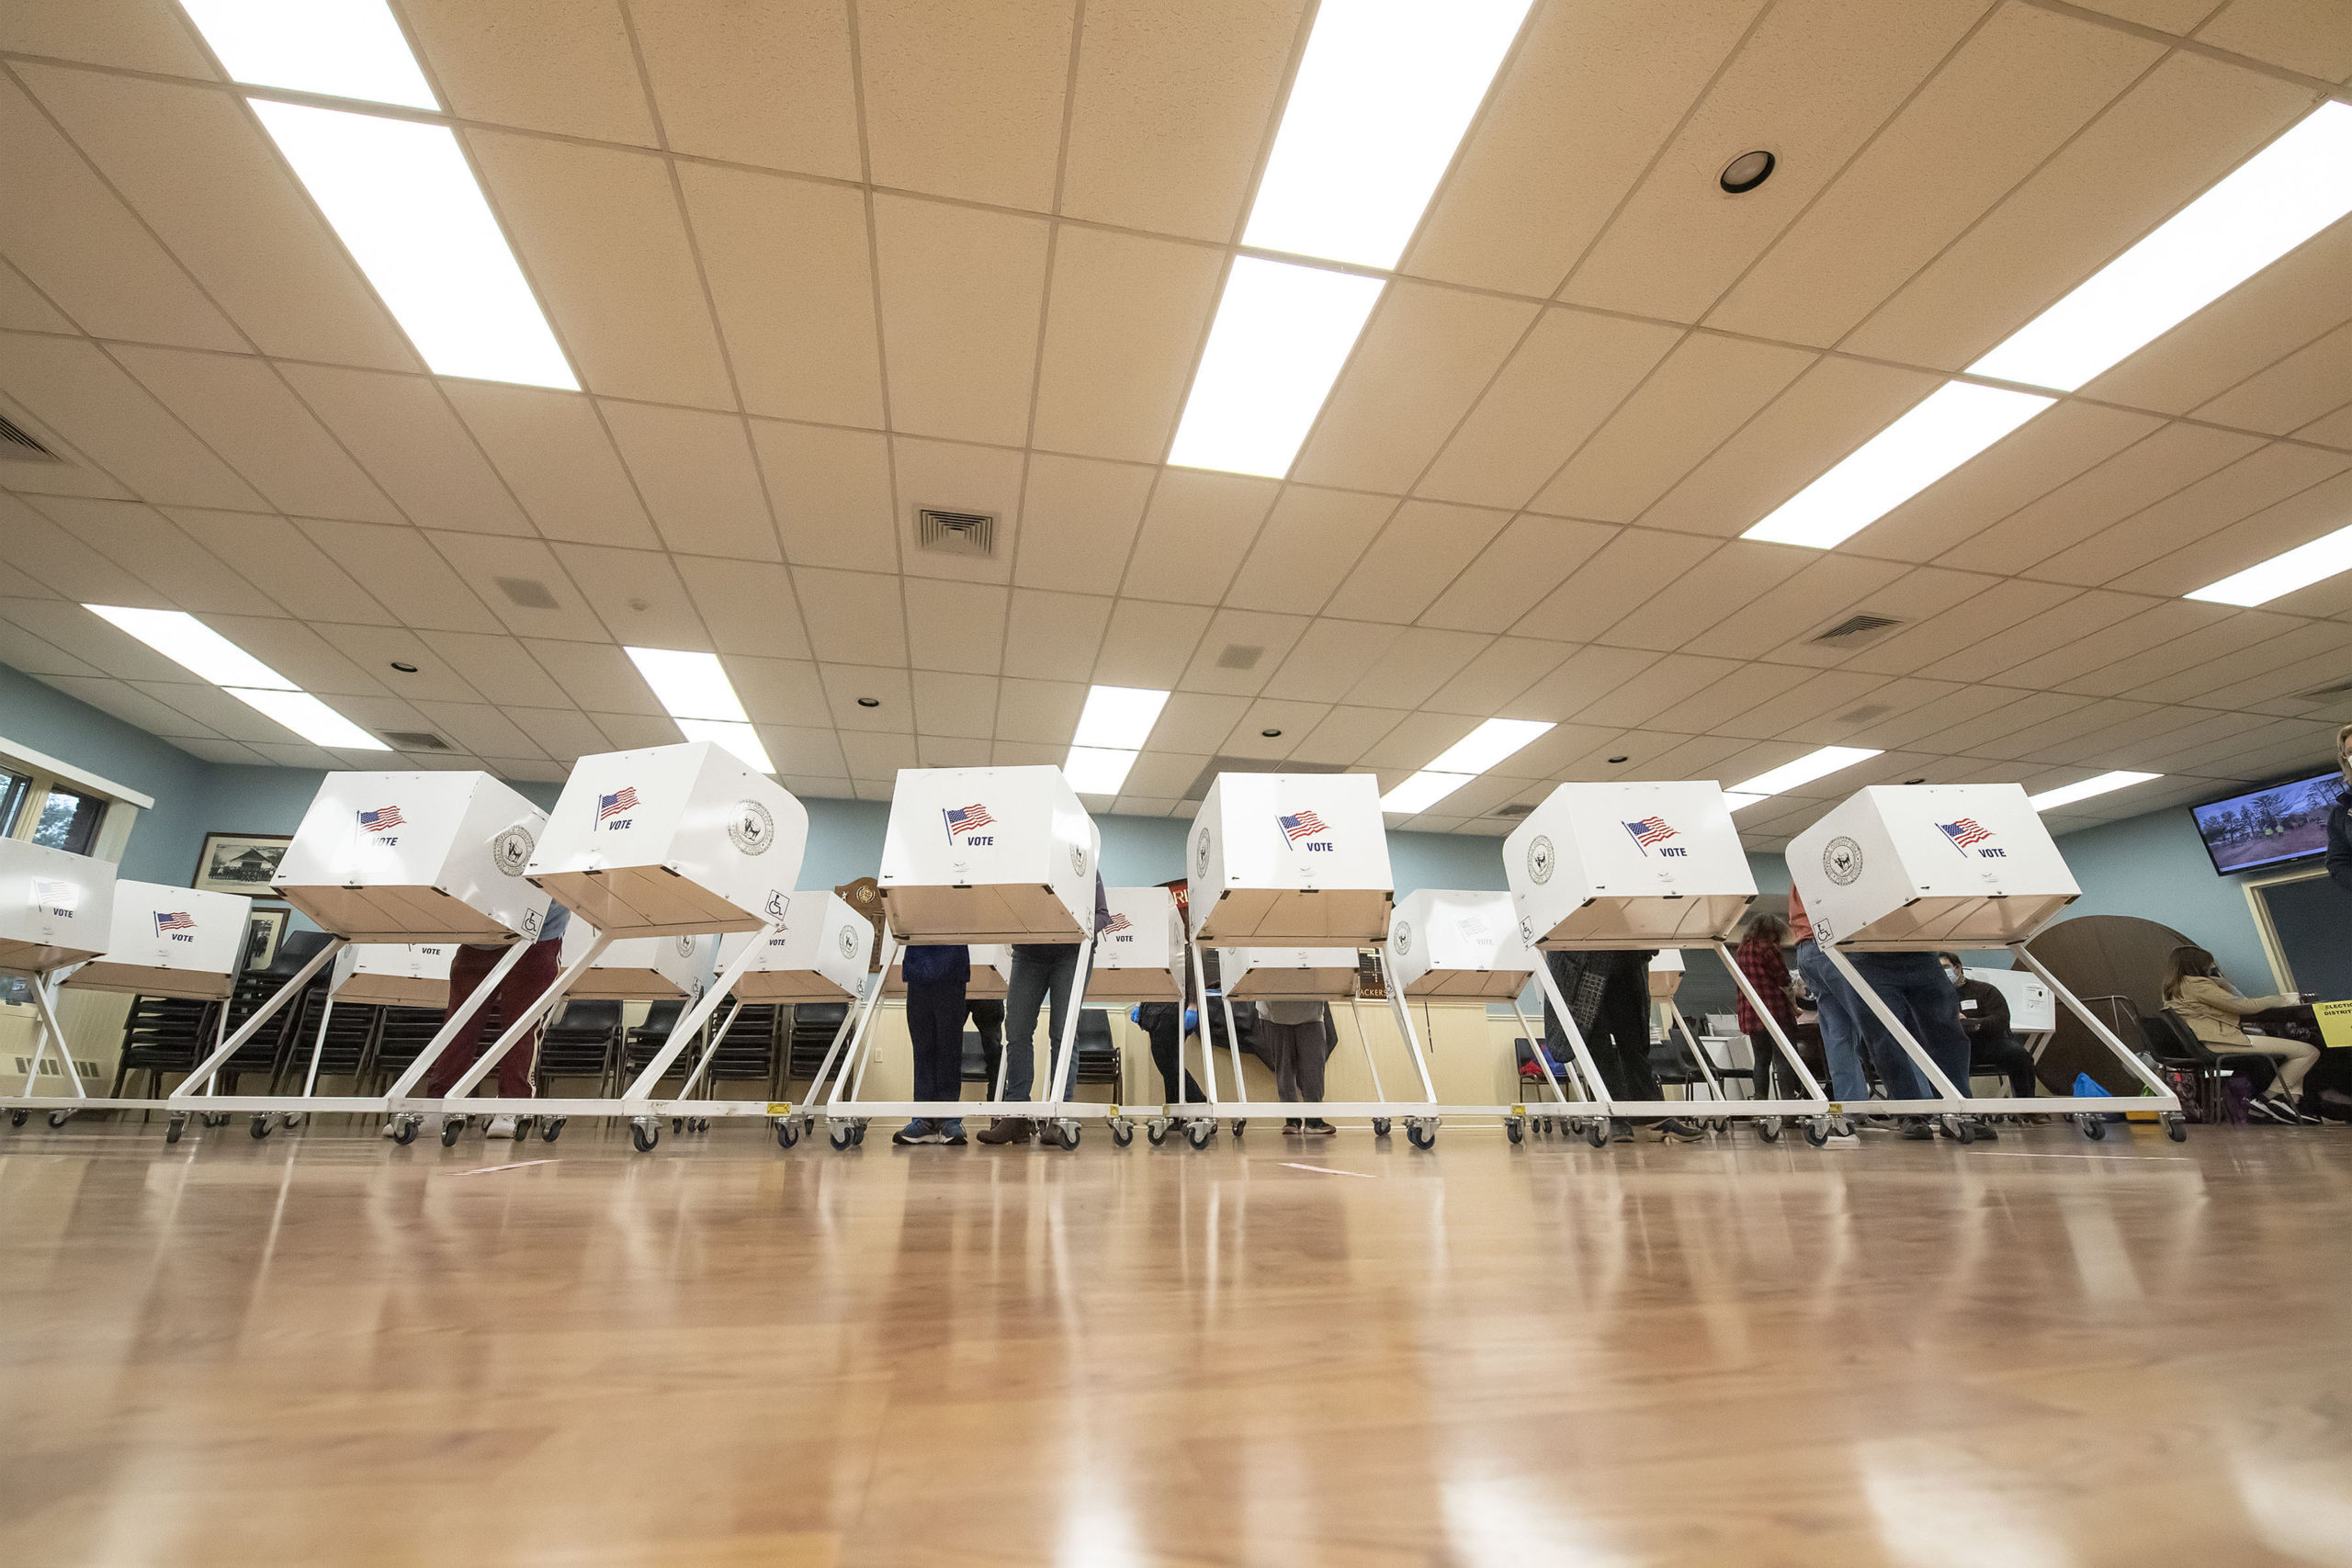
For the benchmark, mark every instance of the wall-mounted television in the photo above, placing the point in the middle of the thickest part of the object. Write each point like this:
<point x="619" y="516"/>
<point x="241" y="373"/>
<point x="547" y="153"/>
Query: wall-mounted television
<point x="2268" y="826"/>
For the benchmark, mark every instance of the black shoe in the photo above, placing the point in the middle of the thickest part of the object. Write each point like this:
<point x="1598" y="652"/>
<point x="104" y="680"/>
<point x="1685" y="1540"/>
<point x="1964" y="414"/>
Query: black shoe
<point x="1984" y="1133"/>
<point x="1675" y="1130"/>
<point x="954" y="1140"/>
<point x="1010" y="1130"/>
<point x="2270" y="1110"/>
<point x="1619" y="1131"/>
<point x="1291" y="1125"/>
<point x="1316" y="1125"/>
<point x="915" y="1132"/>
<point x="1920" y="1133"/>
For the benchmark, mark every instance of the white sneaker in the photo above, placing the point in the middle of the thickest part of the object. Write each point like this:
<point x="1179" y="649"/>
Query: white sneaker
<point x="500" y="1127"/>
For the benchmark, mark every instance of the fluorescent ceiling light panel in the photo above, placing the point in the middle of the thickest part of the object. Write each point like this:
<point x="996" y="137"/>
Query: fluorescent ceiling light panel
<point x="1119" y="717"/>
<point x="406" y="205"/>
<point x="1804" y="771"/>
<point x="343" y="48"/>
<point x="1955" y="423"/>
<point x="1384" y="92"/>
<point x="1487" y="745"/>
<point x="1422" y="791"/>
<point x="2106" y="783"/>
<point x="2299" y="568"/>
<point x="310" y="718"/>
<point x="2270" y="204"/>
<point x="1096" y="770"/>
<point x="688" y="685"/>
<point x="739" y="737"/>
<point x="1739" y="802"/>
<point x="1280" y="335"/>
<point x="187" y="641"/>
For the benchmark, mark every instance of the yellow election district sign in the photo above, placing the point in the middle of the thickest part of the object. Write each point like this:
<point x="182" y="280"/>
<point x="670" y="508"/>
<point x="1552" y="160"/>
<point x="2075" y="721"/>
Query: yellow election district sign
<point x="2335" y="1022"/>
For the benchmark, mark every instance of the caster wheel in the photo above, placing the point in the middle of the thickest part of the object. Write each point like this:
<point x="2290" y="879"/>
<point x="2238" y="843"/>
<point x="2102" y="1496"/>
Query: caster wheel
<point x="259" y="1127"/>
<point x="216" y="1119"/>
<point x="171" y="1134"/>
<point x="840" y="1138"/>
<point x="1070" y="1131"/>
<point x="677" y="1123"/>
<point x="1816" y="1132"/>
<point x="1963" y="1131"/>
<point x="1596" y="1133"/>
<point x="786" y="1135"/>
<point x="2176" y="1129"/>
<point x="857" y="1133"/>
<point x="1769" y="1129"/>
<point x="59" y="1119"/>
<point x="17" y="1118"/>
<point x="1514" y="1129"/>
<point x="1239" y="1124"/>
<point x="550" y="1129"/>
<point x="2093" y="1128"/>
<point x="1419" y="1136"/>
<point x="450" y="1128"/>
<point x="1199" y="1133"/>
<point x="1122" y="1135"/>
<point x="1157" y="1131"/>
<point x="406" y="1132"/>
<point x="1380" y="1126"/>
<point x="645" y="1133"/>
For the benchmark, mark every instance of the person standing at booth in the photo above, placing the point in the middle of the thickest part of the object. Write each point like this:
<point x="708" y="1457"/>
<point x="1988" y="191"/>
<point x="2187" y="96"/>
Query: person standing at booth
<point x="1290" y="1038"/>
<point x="524" y="984"/>
<point x="1040" y="971"/>
<point x="936" y="978"/>
<point x="1760" y="959"/>
<point x="1609" y="995"/>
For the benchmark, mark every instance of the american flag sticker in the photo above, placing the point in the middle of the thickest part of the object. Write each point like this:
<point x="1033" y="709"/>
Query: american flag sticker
<point x="1964" y="833"/>
<point x="1305" y="825"/>
<point x="179" y="921"/>
<point x="1648" y="832"/>
<point x="377" y="821"/>
<point x="613" y="804"/>
<point x="966" y="819"/>
<point x="1118" y="923"/>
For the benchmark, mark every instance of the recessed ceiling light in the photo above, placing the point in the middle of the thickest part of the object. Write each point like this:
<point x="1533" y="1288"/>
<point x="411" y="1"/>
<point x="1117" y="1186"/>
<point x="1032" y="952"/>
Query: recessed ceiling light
<point x="1421" y="791"/>
<point x="403" y="669"/>
<point x="1382" y="96"/>
<point x="1614" y="759"/>
<point x="1952" y="425"/>
<point x="2105" y="784"/>
<point x="1272" y="734"/>
<point x="1917" y="780"/>
<point x="869" y="702"/>
<point x="310" y="718"/>
<point x="341" y="49"/>
<point x="2299" y="568"/>
<point x="1746" y="171"/>
<point x="1118" y="718"/>
<point x="2268" y="206"/>
<point x="1096" y="770"/>
<point x="1804" y="771"/>
<point x="1280" y="335"/>
<point x="188" y="642"/>
<point x="405" y="204"/>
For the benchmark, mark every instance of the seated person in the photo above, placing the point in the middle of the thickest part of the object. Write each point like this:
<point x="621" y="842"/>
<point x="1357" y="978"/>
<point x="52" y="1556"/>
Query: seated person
<point x="2195" y="992"/>
<point x="1984" y="1019"/>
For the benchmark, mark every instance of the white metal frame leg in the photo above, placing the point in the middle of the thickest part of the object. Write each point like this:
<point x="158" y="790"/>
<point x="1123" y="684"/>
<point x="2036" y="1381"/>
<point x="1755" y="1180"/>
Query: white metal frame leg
<point x="1543" y="1062"/>
<point x="1233" y="1049"/>
<point x="690" y="1023"/>
<point x="252" y="1026"/>
<point x="1419" y="1131"/>
<point x="852" y="1070"/>
<point x="686" y="1089"/>
<point x="463" y="1015"/>
<point x="1943" y="1085"/>
<point x="1065" y="1059"/>
<point x="1597" y="1135"/>
<point x="1363" y="1042"/>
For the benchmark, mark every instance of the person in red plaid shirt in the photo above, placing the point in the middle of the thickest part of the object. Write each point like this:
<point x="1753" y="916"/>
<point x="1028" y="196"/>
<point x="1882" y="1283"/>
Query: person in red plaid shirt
<point x="1760" y="958"/>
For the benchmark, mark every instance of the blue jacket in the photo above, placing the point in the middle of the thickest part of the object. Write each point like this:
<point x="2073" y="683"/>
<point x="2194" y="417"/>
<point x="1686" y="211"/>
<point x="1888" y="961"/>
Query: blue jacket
<point x="937" y="965"/>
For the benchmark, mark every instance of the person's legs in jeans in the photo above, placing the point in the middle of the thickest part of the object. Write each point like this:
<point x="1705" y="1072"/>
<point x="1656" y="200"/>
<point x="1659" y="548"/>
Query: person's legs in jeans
<point x="1035" y="980"/>
<point x="935" y="1032"/>
<point x="987" y="1014"/>
<point x="1915" y="988"/>
<point x="1841" y="1034"/>
<point x="1620" y="1040"/>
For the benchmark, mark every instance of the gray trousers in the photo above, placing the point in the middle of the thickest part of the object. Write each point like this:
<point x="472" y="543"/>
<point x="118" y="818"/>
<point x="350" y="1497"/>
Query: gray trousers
<point x="1297" y="1052"/>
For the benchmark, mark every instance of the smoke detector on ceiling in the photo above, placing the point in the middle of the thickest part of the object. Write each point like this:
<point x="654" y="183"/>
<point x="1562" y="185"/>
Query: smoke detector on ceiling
<point x="954" y="533"/>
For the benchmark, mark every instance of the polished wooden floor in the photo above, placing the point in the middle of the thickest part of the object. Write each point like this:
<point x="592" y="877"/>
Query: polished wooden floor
<point x="326" y="1350"/>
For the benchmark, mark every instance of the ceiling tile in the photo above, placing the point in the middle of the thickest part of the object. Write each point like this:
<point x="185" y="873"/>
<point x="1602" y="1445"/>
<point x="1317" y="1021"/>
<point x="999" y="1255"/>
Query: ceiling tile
<point x="2080" y="623"/>
<point x="1196" y="722"/>
<point x="1727" y="581"/>
<point x="274" y="556"/>
<point x="1411" y="668"/>
<point x="959" y="751"/>
<point x="399" y="566"/>
<point x="854" y="617"/>
<point x="2136" y="478"/>
<point x="23" y="310"/>
<point x="552" y="450"/>
<point x="633" y="317"/>
<point x="1417" y="739"/>
<point x="831" y="490"/>
<point x="1577" y="683"/>
<point x="2187" y="535"/>
<point x="768" y="84"/>
<point x="143" y="34"/>
<point x="1079" y="519"/>
<point x="956" y="477"/>
<point x="1424" y="358"/>
<point x="1290" y="721"/>
<point x="1124" y="319"/>
<point x="1815" y="597"/>
<point x="2001" y="605"/>
<point x="1170" y="773"/>
<point x="878" y="756"/>
<point x="1044" y="712"/>
<point x="792" y="280"/>
<point x="956" y="627"/>
<point x="962" y="292"/>
<point x="2314" y="36"/>
<point x="1506" y="667"/>
<point x="1309" y="540"/>
<point x="402" y="433"/>
<point x="748" y="607"/>
<point x="1230" y="629"/>
<point x="131" y="706"/>
<point x="2294" y="392"/>
<point x="951" y="704"/>
<point x="1053" y="637"/>
<point x="2053" y="448"/>
<point x="1195" y="534"/>
<point x="963" y="98"/>
<point x="74" y="632"/>
<point x="639" y="596"/>
<point x="147" y="546"/>
<point x="299" y="653"/>
<point x="21" y="649"/>
<point x="636" y="732"/>
<point x="1525" y="562"/>
<point x="696" y="472"/>
<point x="222" y="714"/>
<point x="76" y="390"/>
<point x="1818" y="710"/>
<point x="1626" y="570"/>
<point x="780" y="691"/>
<point x="1703" y="391"/>
<point x="500" y="668"/>
<point x="2151" y="623"/>
<point x="63" y="563"/>
<point x="1724" y="700"/>
<point x="480" y="561"/>
<point x="597" y="676"/>
<point x="479" y="729"/>
<point x="560" y="65"/>
<point x="1593" y="96"/>
<point x="1328" y="659"/>
<point x="1345" y="734"/>
<point x="78" y="242"/>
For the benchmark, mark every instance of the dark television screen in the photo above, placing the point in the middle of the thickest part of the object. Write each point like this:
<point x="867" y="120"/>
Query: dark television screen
<point x="2268" y="826"/>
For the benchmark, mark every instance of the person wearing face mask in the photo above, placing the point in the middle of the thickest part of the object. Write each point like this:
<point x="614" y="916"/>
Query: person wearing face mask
<point x="2202" y="998"/>
<point x="1984" y="1019"/>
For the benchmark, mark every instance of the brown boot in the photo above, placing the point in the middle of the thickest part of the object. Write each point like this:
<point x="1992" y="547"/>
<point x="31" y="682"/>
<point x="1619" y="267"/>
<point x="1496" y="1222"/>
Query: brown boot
<point x="1010" y="1130"/>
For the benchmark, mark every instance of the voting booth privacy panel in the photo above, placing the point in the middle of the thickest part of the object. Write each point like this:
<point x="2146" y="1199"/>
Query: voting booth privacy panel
<point x="1290" y="857"/>
<point x="990" y="979"/>
<point x="415" y="857"/>
<point x="989" y="855"/>
<point x="638" y="968"/>
<point x="1906" y="867"/>
<point x="1461" y="944"/>
<point x="1274" y="974"/>
<point x="820" y="954"/>
<point x="56" y="908"/>
<point x="396" y="974"/>
<point x="1140" y="956"/>
<point x="672" y="841"/>
<point x="1628" y="865"/>
<point x="169" y="942"/>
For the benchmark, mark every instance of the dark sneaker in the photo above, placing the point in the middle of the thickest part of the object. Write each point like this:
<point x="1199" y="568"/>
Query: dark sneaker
<point x="948" y="1133"/>
<point x="1316" y="1125"/>
<point x="1010" y="1130"/>
<point x="1920" y="1133"/>
<point x="1675" y="1130"/>
<point x="916" y="1132"/>
<point x="1619" y="1131"/>
<point x="1291" y="1125"/>
<point x="1984" y="1133"/>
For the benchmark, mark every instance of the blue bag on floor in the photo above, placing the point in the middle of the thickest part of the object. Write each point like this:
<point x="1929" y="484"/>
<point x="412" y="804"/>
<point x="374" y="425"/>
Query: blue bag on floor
<point x="2088" y="1086"/>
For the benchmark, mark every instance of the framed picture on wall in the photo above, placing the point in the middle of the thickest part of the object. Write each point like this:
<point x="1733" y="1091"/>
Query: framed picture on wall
<point x="240" y="863"/>
<point x="265" y="928"/>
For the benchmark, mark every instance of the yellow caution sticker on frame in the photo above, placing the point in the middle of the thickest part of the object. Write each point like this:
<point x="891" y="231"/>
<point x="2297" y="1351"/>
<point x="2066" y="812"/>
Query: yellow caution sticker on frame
<point x="779" y="1108"/>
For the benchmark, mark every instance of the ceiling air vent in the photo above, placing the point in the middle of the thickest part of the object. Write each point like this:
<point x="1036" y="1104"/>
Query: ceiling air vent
<point x="1516" y="809"/>
<point x="414" y="740"/>
<point x="1239" y="656"/>
<point x="528" y="592"/>
<point x="1855" y="631"/>
<point x="954" y="533"/>
<point x="1864" y="714"/>
<point x="2321" y="693"/>
<point x="16" y="447"/>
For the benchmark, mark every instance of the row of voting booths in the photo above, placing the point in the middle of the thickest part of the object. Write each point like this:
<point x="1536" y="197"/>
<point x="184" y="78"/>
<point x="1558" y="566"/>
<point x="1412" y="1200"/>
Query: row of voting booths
<point x="678" y="865"/>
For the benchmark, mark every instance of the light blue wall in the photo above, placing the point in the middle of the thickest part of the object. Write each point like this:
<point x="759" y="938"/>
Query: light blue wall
<point x="163" y="846"/>
<point x="2156" y="868"/>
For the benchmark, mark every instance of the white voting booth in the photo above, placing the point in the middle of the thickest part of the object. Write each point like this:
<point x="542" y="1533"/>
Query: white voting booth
<point x="1140" y="956"/>
<point x="402" y="859"/>
<point x="1299" y="859"/>
<point x="1640" y="866"/>
<point x="820" y="953"/>
<point x="979" y="857"/>
<point x="1453" y="945"/>
<point x="1913" y="868"/>
<point x="169" y="942"/>
<point x="393" y="975"/>
<point x="1289" y="974"/>
<point x="665" y="841"/>
<point x="56" y="910"/>
<point x="991" y="973"/>
<point x="638" y="968"/>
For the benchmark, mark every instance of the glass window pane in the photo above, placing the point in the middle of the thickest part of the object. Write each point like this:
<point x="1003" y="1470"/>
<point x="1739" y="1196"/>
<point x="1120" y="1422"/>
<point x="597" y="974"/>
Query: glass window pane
<point x="69" y="821"/>
<point x="14" y="787"/>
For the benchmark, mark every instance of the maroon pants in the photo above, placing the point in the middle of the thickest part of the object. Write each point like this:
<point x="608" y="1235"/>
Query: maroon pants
<point x="531" y="975"/>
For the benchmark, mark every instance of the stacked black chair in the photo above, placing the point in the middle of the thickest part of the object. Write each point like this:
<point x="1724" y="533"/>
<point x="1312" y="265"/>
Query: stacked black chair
<point x="1098" y="1055"/>
<point x="813" y="1027"/>
<point x="265" y="1054"/>
<point x="351" y="1036"/>
<point x="400" y="1034"/>
<point x="751" y="1052"/>
<point x="584" y="1042"/>
<point x="645" y="1041"/>
<point x="164" y="1034"/>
